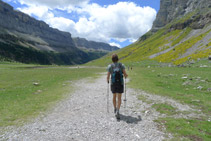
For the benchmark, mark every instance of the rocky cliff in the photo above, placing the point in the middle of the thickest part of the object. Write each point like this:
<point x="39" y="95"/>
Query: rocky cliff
<point x="30" y="29"/>
<point x="172" y="10"/>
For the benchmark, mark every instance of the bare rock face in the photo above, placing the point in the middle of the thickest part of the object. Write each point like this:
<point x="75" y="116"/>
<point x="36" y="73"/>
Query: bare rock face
<point x="169" y="9"/>
<point x="173" y="9"/>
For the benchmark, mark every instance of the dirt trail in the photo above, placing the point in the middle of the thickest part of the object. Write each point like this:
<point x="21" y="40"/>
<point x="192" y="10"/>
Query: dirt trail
<point x="83" y="116"/>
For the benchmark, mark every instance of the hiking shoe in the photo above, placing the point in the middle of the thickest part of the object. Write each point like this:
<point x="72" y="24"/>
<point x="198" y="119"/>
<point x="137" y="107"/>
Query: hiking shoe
<point x="115" y="110"/>
<point x="117" y="115"/>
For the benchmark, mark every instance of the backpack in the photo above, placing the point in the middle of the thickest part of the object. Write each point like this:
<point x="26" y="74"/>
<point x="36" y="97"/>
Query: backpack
<point x="117" y="75"/>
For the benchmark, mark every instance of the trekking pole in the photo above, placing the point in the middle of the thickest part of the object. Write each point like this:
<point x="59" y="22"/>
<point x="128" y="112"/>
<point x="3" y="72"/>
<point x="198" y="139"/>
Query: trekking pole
<point x="125" y="93"/>
<point x="108" y="98"/>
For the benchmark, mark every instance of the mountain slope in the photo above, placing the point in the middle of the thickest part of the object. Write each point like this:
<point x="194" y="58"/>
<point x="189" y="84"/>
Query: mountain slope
<point x="176" y="37"/>
<point x="22" y="34"/>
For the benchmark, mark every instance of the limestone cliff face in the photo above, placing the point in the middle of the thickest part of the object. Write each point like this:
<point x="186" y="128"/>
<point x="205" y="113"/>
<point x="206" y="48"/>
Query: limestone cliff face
<point x="18" y="22"/>
<point x="173" y="9"/>
<point x="37" y="34"/>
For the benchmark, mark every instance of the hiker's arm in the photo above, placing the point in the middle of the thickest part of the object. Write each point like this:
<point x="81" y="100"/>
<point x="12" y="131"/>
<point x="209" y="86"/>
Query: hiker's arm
<point x="125" y="74"/>
<point x="108" y="76"/>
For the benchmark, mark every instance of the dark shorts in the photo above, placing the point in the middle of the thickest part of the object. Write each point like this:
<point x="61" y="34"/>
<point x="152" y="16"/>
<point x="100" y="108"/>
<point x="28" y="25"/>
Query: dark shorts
<point x="117" y="88"/>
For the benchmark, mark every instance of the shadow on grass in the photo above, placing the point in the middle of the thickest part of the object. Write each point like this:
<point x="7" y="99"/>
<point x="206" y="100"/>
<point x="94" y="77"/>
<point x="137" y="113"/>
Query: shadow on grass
<point x="130" y="119"/>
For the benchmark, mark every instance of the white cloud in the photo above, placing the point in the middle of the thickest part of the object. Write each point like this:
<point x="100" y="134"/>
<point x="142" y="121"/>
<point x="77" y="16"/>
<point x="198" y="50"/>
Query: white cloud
<point x="43" y="13"/>
<point x="61" y="23"/>
<point x="122" y="21"/>
<point x="114" y="44"/>
<point x="40" y="11"/>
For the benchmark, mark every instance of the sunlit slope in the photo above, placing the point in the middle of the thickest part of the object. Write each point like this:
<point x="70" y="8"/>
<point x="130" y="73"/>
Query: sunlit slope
<point x="166" y="45"/>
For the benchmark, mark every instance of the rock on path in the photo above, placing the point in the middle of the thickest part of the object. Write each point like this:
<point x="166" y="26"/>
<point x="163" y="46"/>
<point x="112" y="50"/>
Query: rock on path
<point x="83" y="117"/>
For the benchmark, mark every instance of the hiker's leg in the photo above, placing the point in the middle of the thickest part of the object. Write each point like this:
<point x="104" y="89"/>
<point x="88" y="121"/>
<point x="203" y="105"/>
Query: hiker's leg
<point x="119" y="100"/>
<point x="114" y="100"/>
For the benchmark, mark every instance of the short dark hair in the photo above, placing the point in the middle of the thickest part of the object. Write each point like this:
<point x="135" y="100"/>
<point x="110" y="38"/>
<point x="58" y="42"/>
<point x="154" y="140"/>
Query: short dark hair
<point x="115" y="58"/>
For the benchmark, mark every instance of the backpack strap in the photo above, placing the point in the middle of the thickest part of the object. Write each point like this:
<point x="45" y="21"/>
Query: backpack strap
<point x="121" y="70"/>
<point x="120" y="66"/>
<point x="112" y="66"/>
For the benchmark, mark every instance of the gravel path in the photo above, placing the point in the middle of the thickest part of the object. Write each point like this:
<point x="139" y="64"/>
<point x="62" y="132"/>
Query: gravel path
<point x="83" y="117"/>
<point x="183" y="110"/>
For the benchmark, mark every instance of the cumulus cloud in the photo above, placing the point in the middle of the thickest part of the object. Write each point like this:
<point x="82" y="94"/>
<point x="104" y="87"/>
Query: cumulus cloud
<point x="115" y="44"/>
<point x="41" y="11"/>
<point x="122" y="21"/>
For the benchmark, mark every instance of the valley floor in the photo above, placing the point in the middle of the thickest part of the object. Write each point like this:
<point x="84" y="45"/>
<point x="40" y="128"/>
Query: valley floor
<point x="83" y="116"/>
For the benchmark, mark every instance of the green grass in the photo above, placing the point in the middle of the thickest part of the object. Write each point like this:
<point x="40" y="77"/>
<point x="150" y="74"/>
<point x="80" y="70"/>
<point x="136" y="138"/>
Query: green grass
<point x="164" y="108"/>
<point x="190" y="129"/>
<point x="167" y="81"/>
<point x="21" y="100"/>
<point x="144" y="99"/>
<point x="182" y="36"/>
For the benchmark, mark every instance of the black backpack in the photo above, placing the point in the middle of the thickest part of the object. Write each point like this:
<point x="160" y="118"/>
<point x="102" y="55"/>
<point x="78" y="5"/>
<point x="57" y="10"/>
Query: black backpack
<point x="117" y="75"/>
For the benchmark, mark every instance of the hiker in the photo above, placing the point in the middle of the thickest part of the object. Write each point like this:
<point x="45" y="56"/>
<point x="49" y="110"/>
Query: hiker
<point x="116" y="71"/>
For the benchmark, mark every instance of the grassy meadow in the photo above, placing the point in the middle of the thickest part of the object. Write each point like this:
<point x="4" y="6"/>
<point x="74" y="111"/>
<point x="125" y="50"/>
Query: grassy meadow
<point x="188" y="85"/>
<point x="21" y="100"/>
<point x="28" y="90"/>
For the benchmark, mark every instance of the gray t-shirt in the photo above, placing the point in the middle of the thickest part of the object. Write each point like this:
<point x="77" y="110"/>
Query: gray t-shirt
<point x="116" y="65"/>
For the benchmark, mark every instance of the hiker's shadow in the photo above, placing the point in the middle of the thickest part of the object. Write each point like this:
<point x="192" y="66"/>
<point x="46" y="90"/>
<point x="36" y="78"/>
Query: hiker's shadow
<point x="129" y="119"/>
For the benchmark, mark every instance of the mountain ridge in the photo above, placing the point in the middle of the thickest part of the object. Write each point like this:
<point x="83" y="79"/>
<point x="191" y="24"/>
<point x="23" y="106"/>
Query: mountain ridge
<point x="20" y="29"/>
<point x="92" y="45"/>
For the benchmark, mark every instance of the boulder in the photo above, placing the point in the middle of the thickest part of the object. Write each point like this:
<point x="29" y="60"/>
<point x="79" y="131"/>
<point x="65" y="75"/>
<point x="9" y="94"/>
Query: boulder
<point x="36" y="84"/>
<point x="199" y="87"/>
<point x="209" y="57"/>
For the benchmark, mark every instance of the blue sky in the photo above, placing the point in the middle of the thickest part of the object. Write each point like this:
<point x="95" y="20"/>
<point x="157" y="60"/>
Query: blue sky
<point x="152" y="3"/>
<point x="117" y="22"/>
